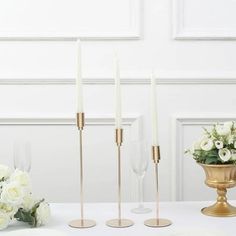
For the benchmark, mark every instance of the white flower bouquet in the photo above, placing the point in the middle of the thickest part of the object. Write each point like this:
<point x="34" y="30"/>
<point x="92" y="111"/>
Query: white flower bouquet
<point x="217" y="146"/>
<point x="17" y="201"/>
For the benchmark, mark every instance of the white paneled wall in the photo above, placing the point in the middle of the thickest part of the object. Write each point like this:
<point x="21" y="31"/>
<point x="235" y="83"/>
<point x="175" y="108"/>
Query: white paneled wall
<point x="196" y="86"/>
<point x="67" y="20"/>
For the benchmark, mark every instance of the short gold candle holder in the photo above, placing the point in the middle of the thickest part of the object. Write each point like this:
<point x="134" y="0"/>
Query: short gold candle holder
<point x="81" y="223"/>
<point x="119" y="222"/>
<point x="220" y="177"/>
<point x="157" y="222"/>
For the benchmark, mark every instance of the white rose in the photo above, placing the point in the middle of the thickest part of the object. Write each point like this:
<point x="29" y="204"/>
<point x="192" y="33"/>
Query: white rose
<point x="224" y="154"/>
<point x="219" y="144"/>
<point x="233" y="154"/>
<point x="4" y="220"/>
<point x="21" y="177"/>
<point x="234" y="144"/>
<point x="8" y="209"/>
<point x="43" y="214"/>
<point x="12" y="193"/>
<point x="28" y="202"/>
<point x="206" y="144"/>
<point x="4" y="172"/>
<point x="222" y="130"/>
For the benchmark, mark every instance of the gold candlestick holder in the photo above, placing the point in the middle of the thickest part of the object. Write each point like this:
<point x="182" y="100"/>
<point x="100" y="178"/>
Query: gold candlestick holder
<point x="81" y="223"/>
<point x="157" y="222"/>
<point x="119" y="222"/>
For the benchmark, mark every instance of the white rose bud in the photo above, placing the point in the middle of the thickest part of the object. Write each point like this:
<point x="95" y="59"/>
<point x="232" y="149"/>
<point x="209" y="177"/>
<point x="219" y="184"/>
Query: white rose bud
<point x="12" y="193"/>
<point x="224" y="154"/>
<point x="223" y="130"/>
<point x="206" y="144"/>
<point x="230" y="139"/>
<point x="4" y="220"/>
<point x="28" y="202"/>
<point x="233" y="154"/>
<point x="43" y="214"/>
<point x="219" y="144"/>
<point x="197" y="146"/>
<point x="4" y="172"/>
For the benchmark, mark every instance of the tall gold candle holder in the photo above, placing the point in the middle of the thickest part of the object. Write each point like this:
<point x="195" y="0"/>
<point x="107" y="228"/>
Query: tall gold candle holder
<point x="157" y="222"/>
<point x="119" y="222"/>
<point x="81" y="223"/>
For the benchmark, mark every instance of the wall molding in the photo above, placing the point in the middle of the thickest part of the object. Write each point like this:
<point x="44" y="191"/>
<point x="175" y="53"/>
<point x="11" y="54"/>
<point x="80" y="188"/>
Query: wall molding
<point x="179" y="121"/>
<point x="64" y="120"/>
<point x="131" y="80"/>
<point x="132" y="33"/>
<point x="181" y="32"/>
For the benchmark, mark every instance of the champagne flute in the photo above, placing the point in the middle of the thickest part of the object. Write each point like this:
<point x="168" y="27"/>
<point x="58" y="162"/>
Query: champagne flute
<point x="22" y="155"/>
<point x="139" y="162"/>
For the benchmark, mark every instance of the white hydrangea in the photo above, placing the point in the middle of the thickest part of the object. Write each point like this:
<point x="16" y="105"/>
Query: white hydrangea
<point x="229" y="124"/>
<point x="223" y="130"/>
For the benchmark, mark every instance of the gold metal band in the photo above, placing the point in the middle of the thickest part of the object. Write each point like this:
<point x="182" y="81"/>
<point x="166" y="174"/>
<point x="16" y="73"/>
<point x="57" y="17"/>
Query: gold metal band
<point x="156" y="154"/>
<point x="119" y="136"/>
<point x="80" y="120"/>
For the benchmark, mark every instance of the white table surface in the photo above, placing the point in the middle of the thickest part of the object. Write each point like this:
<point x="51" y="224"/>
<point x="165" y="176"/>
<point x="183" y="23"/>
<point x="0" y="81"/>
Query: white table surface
<point x="184" y="215"/>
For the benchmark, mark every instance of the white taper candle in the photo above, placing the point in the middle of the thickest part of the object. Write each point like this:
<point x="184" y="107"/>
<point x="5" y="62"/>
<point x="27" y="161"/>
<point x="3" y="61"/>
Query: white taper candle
<point x="154" y="111"/>
<point x="79" y="81"/>
<point x="118" y="119"/>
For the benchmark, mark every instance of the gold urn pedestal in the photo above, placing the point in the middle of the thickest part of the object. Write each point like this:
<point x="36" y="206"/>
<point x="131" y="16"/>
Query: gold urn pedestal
<point x="220" y="177"/>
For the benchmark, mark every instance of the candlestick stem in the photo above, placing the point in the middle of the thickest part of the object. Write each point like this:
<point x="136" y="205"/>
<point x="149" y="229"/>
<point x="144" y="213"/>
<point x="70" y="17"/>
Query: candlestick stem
<point x="119" y="222"/>
<point x="81" y="177"/>
<point x="119" y="186"/>
<point x="81" y="223"/>
<point x="157" y="193"/>
<point x="157" y="222"/>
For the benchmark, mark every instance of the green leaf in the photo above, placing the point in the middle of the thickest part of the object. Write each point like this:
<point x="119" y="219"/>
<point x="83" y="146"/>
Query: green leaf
<point x="25" y="216"/>
<point x="211" y="160"/>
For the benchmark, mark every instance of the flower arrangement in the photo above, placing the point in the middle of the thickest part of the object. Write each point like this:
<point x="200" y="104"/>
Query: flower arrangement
<point x="217" y="146"/>
<point x="17" y="201"/>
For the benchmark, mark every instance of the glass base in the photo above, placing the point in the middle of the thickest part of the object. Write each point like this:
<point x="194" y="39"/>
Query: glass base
<point x="141" y="210"/>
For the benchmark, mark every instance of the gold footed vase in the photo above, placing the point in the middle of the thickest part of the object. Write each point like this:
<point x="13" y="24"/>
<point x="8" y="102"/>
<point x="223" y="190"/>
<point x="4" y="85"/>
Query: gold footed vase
<point x="220" y="177"/>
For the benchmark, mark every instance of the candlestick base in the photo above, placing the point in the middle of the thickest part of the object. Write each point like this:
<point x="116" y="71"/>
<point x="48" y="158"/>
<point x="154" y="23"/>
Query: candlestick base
<point x="82" y="223"/>
<point x="157" y="222"/>
<point x="119" y="223"/>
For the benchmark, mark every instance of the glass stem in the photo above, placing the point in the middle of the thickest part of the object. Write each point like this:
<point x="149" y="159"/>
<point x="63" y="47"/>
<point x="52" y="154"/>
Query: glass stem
<point x="140" y="191"/>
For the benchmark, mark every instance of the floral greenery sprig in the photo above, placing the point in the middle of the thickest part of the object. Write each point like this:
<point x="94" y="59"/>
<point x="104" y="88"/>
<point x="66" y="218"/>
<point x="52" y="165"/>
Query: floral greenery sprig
<point x="217" y="146"/>
<point x="17" y="201"/>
